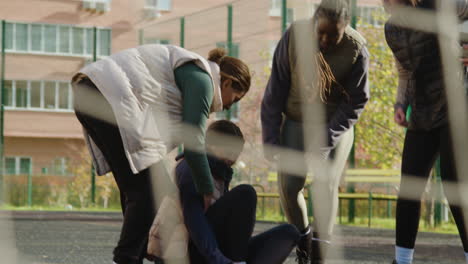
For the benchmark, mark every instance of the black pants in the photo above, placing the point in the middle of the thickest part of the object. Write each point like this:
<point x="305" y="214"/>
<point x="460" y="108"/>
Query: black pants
<point x="136" y="191"/>
<point x="232" y="218"/>
<point x="420" y="151"/>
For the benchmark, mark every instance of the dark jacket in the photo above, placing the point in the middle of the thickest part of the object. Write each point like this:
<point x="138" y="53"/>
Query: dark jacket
<point x="421" y="74"/>
<point x="277" y="101"/>
<point x="200" y="232"/>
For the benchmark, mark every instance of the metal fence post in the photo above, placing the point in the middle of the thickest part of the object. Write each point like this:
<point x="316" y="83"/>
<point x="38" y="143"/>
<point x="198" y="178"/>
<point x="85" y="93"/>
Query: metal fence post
<point x="30" y="189"/>
<point x="352" y="155"/>
<point x="93" y="171"/>
<point x="370" y="209"/>
<point x="389" y="203"/>
<point x="353" y="14"/>
<point x="438" y="195"/>
<point x="182" y="32"/>
<point x="93" y="185"/>
<point x="2" y="114"/>
<point x="229" y="46"/>
<point x="284" y="16"/>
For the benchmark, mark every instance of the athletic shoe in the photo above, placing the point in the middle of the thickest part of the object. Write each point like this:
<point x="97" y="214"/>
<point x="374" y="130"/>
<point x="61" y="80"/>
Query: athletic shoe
<point x="303" y="249"/>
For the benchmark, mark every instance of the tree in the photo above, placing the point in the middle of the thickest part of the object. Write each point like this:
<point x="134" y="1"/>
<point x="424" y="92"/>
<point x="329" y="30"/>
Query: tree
<point x="379" y="141"/>
<point x="106" y="186"/>
<point x="80" y="186"/>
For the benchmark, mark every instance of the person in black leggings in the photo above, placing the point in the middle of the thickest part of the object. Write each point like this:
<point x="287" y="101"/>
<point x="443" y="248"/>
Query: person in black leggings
<point x="223" y="234"/>
<point x="421" y="86"/>
<point x="420" y="151"/>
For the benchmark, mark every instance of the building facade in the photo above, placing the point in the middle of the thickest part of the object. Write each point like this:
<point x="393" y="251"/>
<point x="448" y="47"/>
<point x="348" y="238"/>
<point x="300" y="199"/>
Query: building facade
<point x="48" y="41"/>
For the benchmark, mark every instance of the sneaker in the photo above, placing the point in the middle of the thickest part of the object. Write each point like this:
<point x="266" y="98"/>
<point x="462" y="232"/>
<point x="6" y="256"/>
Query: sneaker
<point x="302" y="256"/>
<point x="394" y="262"/>
<point x="303" y="249"/>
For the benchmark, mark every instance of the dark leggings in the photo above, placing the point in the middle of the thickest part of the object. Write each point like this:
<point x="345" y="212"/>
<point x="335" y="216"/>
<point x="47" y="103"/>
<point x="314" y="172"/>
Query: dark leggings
<point x="419" y="154"/>
<point x="232" y="218"/>
<point x="136" y="192"/>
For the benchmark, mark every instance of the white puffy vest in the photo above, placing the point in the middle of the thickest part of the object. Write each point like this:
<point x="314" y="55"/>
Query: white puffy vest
<point x="140" y="86"/>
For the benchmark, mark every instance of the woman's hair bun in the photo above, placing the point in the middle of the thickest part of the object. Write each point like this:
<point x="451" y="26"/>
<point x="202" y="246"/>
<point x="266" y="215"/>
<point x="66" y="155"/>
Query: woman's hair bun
<point x="216" y="55"/>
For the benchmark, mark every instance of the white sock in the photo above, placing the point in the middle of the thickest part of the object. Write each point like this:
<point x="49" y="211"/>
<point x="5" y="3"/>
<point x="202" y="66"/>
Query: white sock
<point x="404" y="255"/>
<point x="466" y="257"/>
<point x="321" y="240"/>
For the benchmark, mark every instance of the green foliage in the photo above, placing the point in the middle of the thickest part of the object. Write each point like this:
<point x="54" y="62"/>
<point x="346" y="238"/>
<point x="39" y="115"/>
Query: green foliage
<point x="379" y="140"/>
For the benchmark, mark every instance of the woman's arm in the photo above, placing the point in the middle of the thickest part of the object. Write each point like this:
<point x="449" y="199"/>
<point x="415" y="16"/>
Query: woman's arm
<point x="402" y="100"/>
<point x="348" y="111"/>
<point x="276" y="93"/>
<point x="197" y="94"/>
<point x="195" y="220"/>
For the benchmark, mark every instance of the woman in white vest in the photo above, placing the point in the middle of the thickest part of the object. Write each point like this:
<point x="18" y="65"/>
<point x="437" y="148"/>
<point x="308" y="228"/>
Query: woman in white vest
<point x="135" y="107"/>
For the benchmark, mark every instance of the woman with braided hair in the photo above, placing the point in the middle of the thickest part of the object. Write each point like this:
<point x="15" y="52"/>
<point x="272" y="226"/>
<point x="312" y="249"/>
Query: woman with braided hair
<point x="319" y="61"/>
<point x="146" y="94"/>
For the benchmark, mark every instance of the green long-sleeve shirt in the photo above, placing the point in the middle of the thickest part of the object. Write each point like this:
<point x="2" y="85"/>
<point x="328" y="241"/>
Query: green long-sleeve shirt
<point x="197" y="95"/>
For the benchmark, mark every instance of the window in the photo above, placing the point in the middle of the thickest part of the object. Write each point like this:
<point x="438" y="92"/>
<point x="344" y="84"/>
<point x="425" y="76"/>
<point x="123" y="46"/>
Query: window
<point x="21" y="37"/>
<point x="63" y="95"/>
<point x="50" y="38"/>
<point x="49" y="95"/>
<point x="369" y="15"/>
<point x="164" y="5"/>
<point x="89" y="32"/>
<point x="18" y="165"/>
<point x="104" y="41"/>
<point x="78" y="41"/>
<point x="35" y="95"/>
<point x="98" y="5"/>
<point x="60" y="167"/>
<point x="36" y="37"/>
<point x="151" y="3"/>
<point x="276" y="10"/>
<point x="8" y="93"/>
<point x="38" y="95"/>
<point x="275" y="7"/>
<point x="56" y="39"/>
<point x="64" y="39"/>
<point x="9" y="34"/>
<point x="24" y="165"/>
<point x="235" y="48"/>
<point x="10" y="166"/>
<point x="231" y="114"/>
<point x="21" y="94"/>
